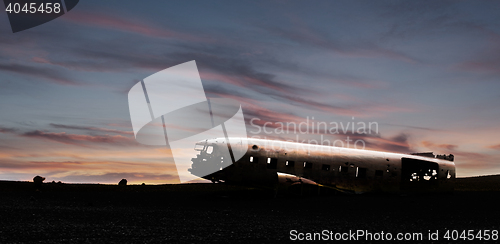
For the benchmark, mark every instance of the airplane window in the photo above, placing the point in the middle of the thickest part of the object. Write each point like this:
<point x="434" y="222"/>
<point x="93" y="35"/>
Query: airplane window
<point x="254" y="159"/>
<point x="308" y="165"/>
<point x="272" y="163"/>
<point x="361" y="172"/>
<point x="343" y="169"/>
<point x="290" y="163"/>
<point x="210" y="149"/>
<point x="325" y="167"/>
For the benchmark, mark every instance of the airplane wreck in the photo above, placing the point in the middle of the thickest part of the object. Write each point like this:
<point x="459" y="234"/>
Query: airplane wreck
<point x="278" y="163"/>
<point x="171" y="108"/>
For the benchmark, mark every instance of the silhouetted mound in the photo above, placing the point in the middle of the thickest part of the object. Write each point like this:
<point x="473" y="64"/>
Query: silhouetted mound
<point x="38" y="181"/>
<point x="188" y="213"/>
<point x="122" y="182"/>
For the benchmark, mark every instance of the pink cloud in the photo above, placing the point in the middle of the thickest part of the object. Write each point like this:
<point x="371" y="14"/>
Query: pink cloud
<point x="487" y="61"/>
<point x="496" y="147"/>
<point x="126" y="24"/>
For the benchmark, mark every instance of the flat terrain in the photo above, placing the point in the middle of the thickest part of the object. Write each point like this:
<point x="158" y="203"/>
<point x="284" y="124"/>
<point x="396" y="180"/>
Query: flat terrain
<point x="81" y="213"/>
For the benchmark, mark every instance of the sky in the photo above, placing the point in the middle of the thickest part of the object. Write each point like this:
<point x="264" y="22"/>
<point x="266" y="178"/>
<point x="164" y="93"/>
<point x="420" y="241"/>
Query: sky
<point x="427" y="73"/>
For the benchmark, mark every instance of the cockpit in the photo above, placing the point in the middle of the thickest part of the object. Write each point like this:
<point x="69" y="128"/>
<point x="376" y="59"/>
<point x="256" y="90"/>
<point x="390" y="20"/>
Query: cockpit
<point x="208" y="159"/>
<point x="204" y="148"/>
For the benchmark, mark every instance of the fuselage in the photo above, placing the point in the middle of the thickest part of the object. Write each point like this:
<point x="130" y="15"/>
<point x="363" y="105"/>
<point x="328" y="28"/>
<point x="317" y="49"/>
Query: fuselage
<point x="346" y="169"/>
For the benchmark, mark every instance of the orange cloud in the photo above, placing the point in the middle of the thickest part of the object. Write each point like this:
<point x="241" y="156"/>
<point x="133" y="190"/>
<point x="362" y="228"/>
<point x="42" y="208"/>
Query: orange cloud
<point x="431" y="145"/>
<point x="496" y="147"/>
<point x="75" y="139"/>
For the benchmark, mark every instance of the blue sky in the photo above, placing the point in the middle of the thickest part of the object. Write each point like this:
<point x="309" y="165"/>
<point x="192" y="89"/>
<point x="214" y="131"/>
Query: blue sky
<point x="427" y="72"/>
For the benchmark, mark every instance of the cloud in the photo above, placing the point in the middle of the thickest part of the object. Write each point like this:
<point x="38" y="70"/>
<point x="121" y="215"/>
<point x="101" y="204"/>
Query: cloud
<point x="223" y="64"/>
<point x="82" y="171"/>
<point x="328" y="108"/>
<point x="496" y="147"/>
<point x="487" y="61"/>
<point x="464" y="159"/>
<point x="87" y="128"/>
<point x="450" y="147"/>
<point x="75" y="139"/>
<point x="39" y="165"/>
<point x="309" y="37"/>
<point x="130" y="24"/>
<point x="243" y="97"/>
<point x="413" y="127"/>
<point x="422" y="18"/>
<point x="219" y="64"/>
<point x="48" y="74"/>
<point x="291" y="97"/>
<point x="397" y="144"/>
<point x="7" y="130"/>
<point x="481" y="66"/>
<point x="284" y="126"/>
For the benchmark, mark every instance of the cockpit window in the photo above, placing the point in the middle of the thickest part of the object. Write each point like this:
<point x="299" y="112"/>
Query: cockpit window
<point x="199" y="147"/>
<point x="210" y="149"/>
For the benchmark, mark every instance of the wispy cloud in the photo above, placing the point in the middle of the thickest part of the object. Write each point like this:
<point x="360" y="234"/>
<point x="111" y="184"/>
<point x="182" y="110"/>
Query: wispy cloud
<point x="7" y="130"/>
<point x="464" y="159"/>
<point x="91" y="171"/>
<point x="311" y="38"/>
<point x="90" y="128"/>
<point x="131" y="24"/>
<point x="37" y="72"/>
<point x="412" y="127"/>
<point x="372" y="141"/>
<point x="285" y="126"/>
<point x="75" y="139"/>
<point x="488" y="60"/>
<point x="429" y="144"/>
<point x="496" y="147"/>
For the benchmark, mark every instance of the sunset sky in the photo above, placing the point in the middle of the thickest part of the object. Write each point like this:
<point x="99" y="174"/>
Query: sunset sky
<point x="427" y="72"/>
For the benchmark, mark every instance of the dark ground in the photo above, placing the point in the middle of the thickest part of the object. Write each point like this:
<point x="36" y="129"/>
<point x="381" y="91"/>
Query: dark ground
<point x="79" y="213"/>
